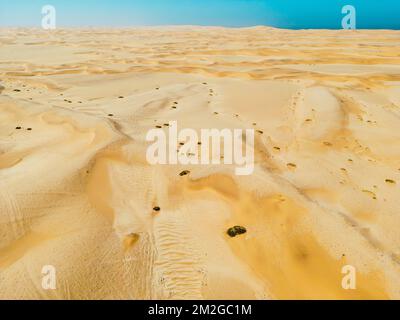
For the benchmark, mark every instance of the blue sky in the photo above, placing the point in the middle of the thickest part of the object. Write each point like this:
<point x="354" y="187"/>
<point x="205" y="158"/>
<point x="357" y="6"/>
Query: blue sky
<point x="294" y="14"/>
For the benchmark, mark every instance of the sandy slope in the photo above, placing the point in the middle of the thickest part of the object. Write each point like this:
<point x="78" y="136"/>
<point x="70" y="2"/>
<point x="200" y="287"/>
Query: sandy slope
<point x="77" y="193"/>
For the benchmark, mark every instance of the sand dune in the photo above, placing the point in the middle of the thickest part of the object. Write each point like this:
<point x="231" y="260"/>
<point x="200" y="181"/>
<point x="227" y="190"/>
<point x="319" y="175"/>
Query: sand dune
<point x="77" y="193"/>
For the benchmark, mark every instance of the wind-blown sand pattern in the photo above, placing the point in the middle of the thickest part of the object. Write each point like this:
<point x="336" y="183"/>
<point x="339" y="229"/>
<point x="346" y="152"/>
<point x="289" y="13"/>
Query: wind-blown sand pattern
<point x="76" y="191"/>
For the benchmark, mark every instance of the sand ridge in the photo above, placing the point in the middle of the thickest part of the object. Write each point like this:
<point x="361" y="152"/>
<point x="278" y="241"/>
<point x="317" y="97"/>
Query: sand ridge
<point x="76" y="191"/>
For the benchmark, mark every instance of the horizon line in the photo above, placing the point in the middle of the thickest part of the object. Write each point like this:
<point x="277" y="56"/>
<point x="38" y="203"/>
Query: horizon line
<point x="186" y="26"/>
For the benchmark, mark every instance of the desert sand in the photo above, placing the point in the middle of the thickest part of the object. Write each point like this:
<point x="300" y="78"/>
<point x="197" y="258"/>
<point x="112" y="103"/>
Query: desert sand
<point x="77" y="193"/>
